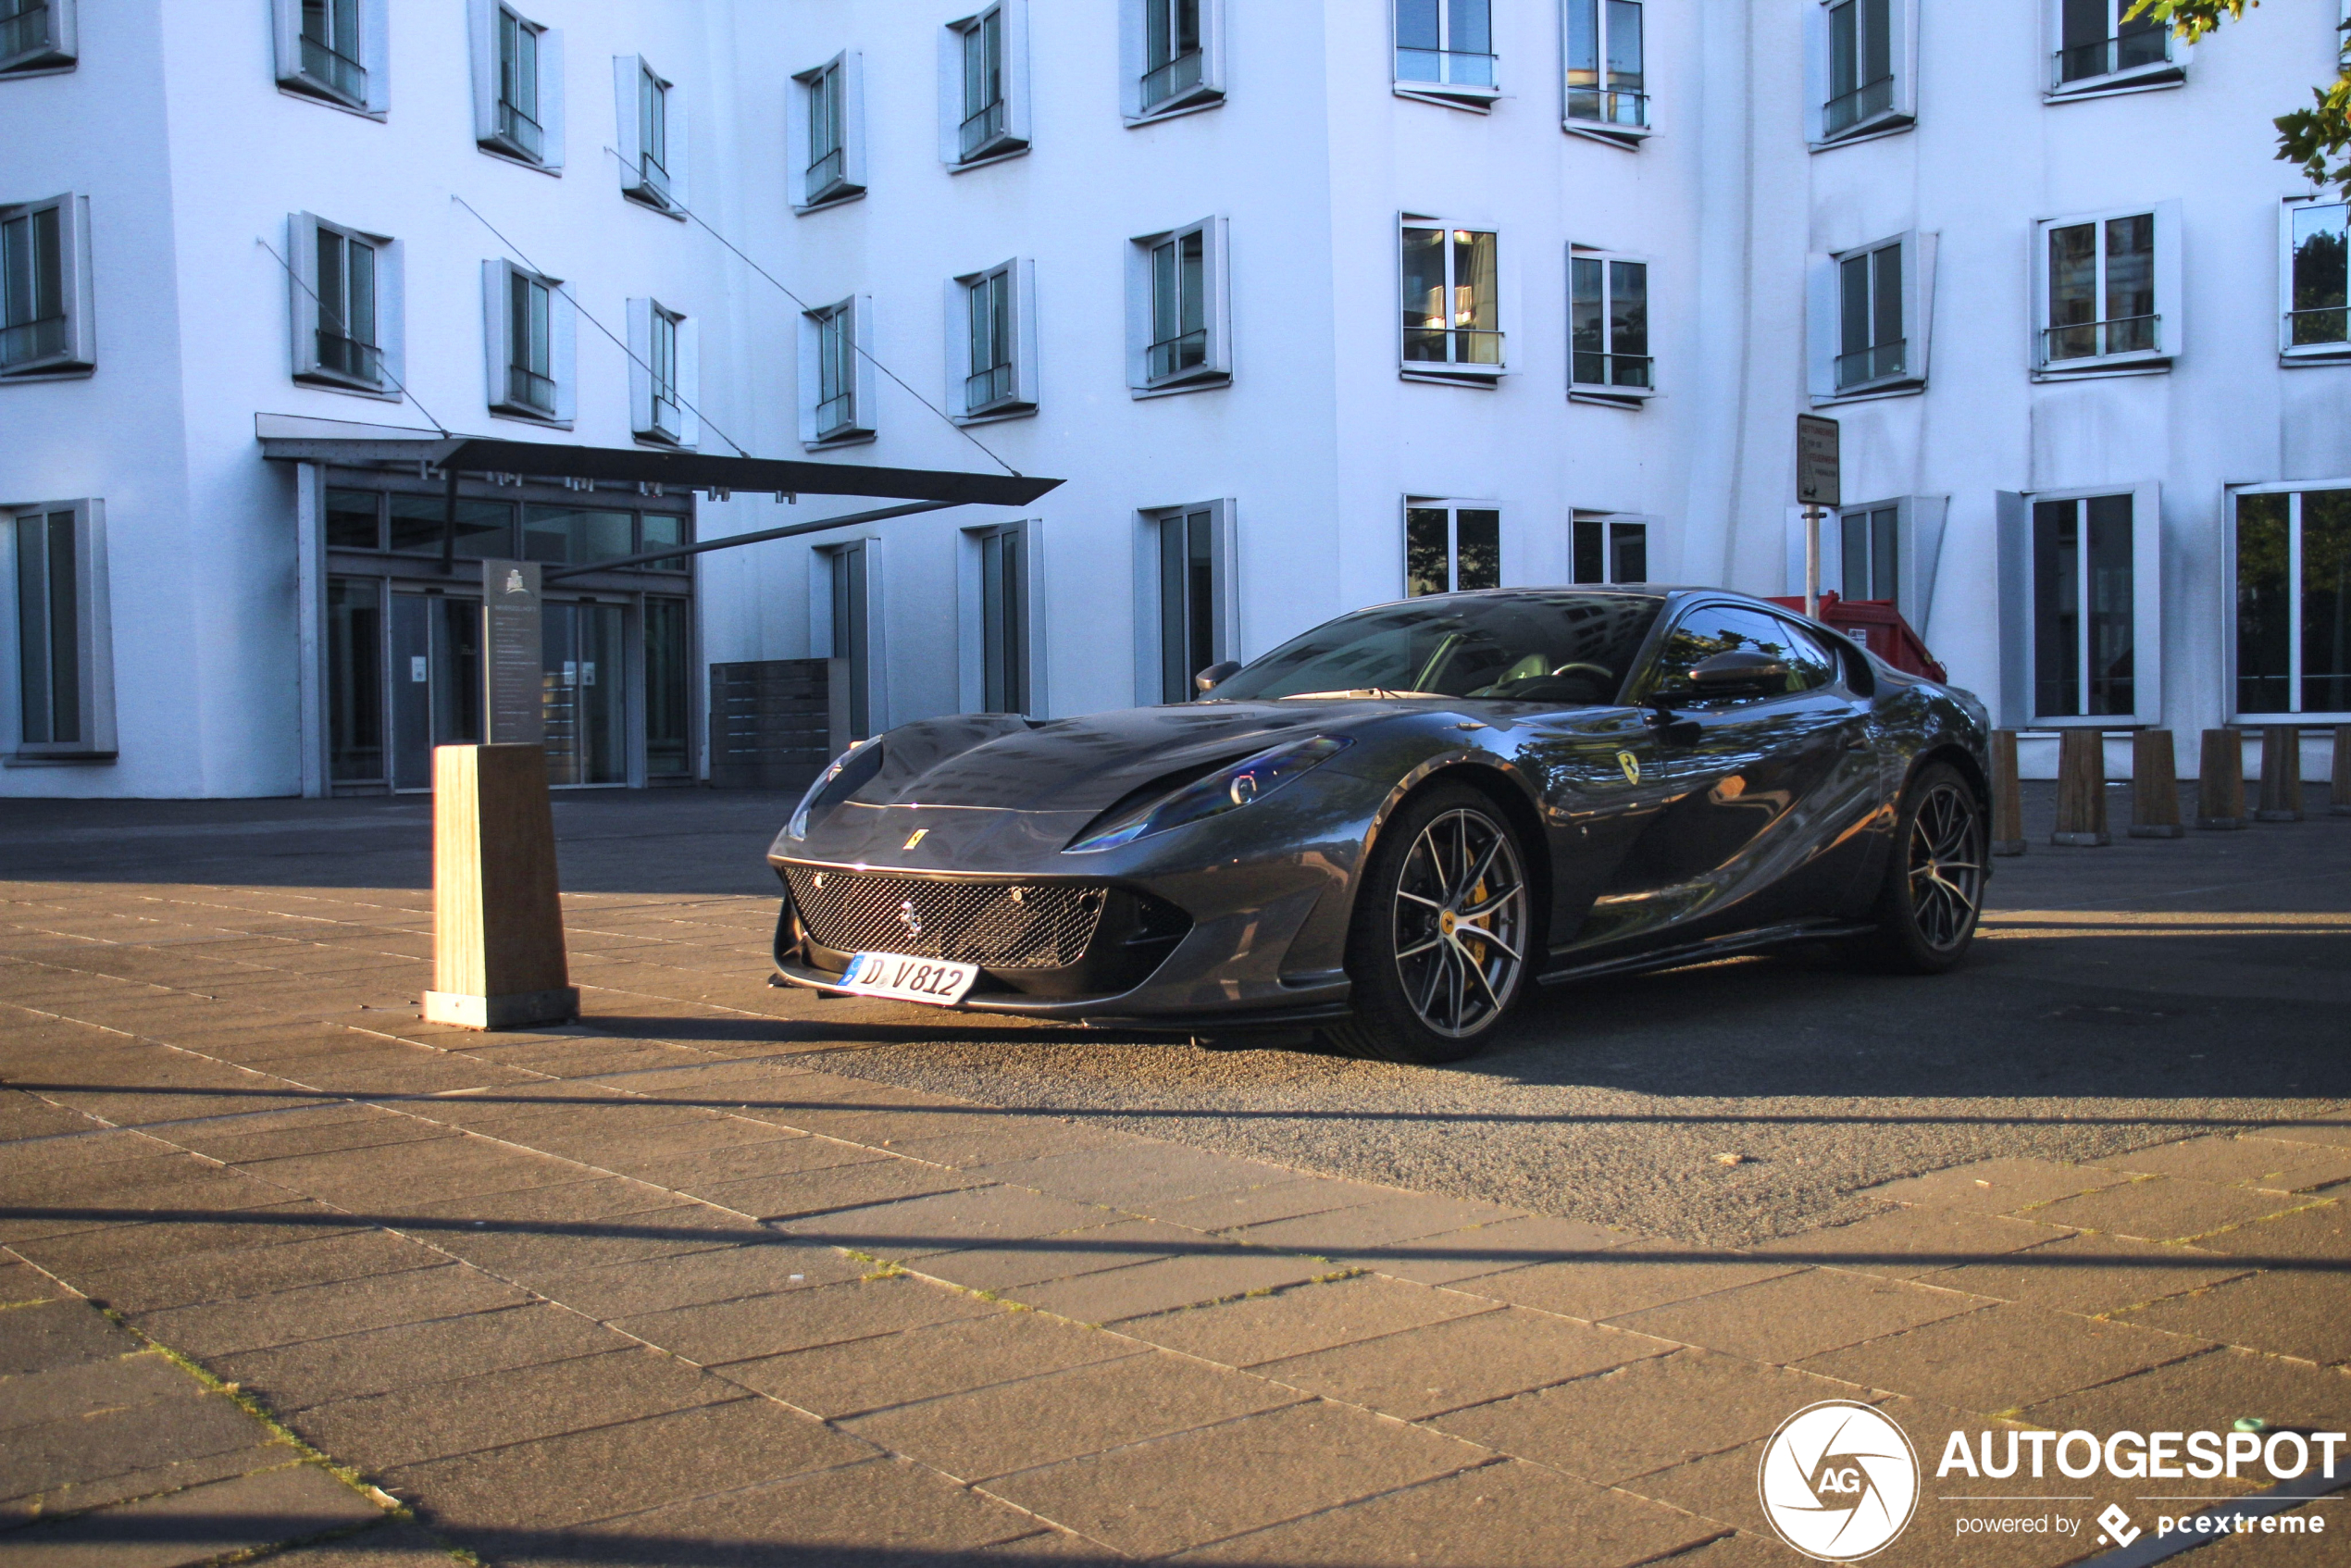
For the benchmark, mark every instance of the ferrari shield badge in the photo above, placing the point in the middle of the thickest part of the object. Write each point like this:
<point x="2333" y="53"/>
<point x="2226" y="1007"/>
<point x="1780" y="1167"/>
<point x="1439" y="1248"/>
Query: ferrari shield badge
<point x="1631" y="764"/>
<point x="913" y="839"/>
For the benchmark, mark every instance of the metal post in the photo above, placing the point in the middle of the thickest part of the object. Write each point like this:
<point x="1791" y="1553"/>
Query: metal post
<point x="1812" y="562"/>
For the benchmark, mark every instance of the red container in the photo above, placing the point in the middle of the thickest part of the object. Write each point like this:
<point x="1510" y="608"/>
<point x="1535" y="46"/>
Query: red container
<point x="1876" y="625"/>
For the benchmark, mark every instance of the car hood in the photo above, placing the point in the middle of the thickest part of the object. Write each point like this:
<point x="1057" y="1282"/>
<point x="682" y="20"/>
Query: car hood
<point x="1005" y="762"/>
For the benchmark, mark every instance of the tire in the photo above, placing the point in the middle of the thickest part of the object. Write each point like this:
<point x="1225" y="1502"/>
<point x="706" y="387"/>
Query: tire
<point x="1933" y="893"/>
<point x="1429" y="986"/>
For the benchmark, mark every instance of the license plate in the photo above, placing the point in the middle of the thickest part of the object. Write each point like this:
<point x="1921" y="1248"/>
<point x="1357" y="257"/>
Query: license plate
<point x="896" y="976"/>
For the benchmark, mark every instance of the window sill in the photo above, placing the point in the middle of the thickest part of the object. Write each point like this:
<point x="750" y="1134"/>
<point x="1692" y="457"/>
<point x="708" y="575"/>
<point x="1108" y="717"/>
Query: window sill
<point x="507" y="155"/>
<point x="1626" y="137"/>
<point x="652" y="201"/>
<point x="1887" y="124"/>
<point x="327" y="381"/>
<point x="2315" y="354"/>
<point x="844" y="438"/>
<point x="1487" y="377"/>
<point x="37" y="62"/>
<point x="995" y="412"/>
<point x="1191" y="103"/>
<point x="1905" y="386"/>
<point x="528" y="416"/>
<point x="1209" y="382"/>
<point x="2147" y="80"/>
<point x="1471" y="100"/>
<point x="321" y="94"/>
<point x="991" y="156"/>
<point x="2092" y="369"/>
<point x="659" y="440"/>
<point x="831" y="196"/>
<point x="50" y="370"/>
<point x="58" y="759"/>
<point x="1612" y="397"/>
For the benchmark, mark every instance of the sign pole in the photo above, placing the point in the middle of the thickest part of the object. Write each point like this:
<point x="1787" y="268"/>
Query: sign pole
<point x="1819" y="488"/>
<point x="1812" y="563"/>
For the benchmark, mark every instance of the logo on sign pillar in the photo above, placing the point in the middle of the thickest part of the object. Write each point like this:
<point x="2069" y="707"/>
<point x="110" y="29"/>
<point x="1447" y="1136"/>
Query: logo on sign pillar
<point x="514" y="580"/>
<point x="1839" y="1480"/>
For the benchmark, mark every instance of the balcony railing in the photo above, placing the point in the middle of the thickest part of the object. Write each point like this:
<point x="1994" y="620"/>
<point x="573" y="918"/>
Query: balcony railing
<point x="836" y="416"/>
<point x="26" y="341"/>
<point x="1613" y="369"/>
<point x="24" y="32"/>
<point x="1173" y="80"/>
<point x="1866" y="102"/>
<point x="1453" y="346"/>
<point x="530" y="389"/>
<point x="827" y="172"/>
<point x="1186" y="351"/>
<point x="1610" y="105"/>
<point x="341" y="75"/>
<point x="1452" y="67"/>
<point x="1876" y="363"/>
<point x="2099" y="340"/>
<point x="2111" y="57"/>
<point x="982" y="130"/>
<point x="349" y="357"/>
<point x="984" y="389"/>
<point x="521" y="129"/>
<point x="2322" y="324"/>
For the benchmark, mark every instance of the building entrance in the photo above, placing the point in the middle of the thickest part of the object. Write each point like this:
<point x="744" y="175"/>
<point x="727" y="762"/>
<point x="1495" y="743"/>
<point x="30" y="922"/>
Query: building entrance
<point x="436" y="681"/>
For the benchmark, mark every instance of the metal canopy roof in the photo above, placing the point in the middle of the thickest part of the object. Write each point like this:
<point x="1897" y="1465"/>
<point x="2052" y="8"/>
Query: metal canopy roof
<point x="292" y="439"/>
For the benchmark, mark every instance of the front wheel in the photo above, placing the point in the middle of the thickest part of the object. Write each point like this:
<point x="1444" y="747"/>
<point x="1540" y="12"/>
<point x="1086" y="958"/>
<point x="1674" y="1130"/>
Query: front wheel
<point x="1933" y="889"/>
<point x="1444" y="922"/>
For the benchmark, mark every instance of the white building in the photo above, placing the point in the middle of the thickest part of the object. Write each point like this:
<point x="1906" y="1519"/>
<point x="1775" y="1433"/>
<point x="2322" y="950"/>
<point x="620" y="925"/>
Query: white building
<point x="1310" y="304"/>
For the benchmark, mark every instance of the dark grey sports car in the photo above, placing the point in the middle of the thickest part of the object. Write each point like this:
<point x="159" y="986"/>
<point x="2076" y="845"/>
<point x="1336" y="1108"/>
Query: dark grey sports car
<point x="1386" y="829"/>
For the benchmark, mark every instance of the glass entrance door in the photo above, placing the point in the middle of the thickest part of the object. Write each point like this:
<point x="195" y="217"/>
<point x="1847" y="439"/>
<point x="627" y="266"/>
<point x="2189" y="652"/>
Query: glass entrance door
<point x="586" y="693"/>
<point x="436" y="681"/>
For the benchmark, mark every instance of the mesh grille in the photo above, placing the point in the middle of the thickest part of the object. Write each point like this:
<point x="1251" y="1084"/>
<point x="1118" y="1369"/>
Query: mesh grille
<point x="997" y="924"/>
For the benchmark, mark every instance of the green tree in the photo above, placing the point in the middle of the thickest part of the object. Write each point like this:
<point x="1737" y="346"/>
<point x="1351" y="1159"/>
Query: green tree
<point x="2313" y="138"/>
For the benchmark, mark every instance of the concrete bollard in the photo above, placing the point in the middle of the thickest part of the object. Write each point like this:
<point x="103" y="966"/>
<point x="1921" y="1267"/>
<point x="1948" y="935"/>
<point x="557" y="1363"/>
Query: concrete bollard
<point x="2154" y="787"/>
<point x="2008" y="796"/>
<point x="2280" y="774"/>
<point x="498" y="958"/>
<point x="2081" y="818"/>
<point x="2339" y="792"/>
<point x="2220" y="783"/>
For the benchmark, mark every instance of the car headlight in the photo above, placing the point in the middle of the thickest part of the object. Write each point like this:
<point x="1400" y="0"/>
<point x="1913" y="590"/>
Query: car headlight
<point x="849" y="770"/>
<point x="1225" y="788"/>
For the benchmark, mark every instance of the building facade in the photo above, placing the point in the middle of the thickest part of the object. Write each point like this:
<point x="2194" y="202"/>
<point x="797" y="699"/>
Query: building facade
<point x="1310" y="306"/>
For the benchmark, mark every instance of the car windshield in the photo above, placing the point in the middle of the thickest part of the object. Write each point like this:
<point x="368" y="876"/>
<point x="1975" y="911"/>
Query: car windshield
<point x="1562" y="648"/>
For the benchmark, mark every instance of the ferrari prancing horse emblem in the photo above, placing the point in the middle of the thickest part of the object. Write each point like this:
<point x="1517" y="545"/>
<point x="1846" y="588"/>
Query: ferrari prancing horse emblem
<point x="1631" y="764"/>
<point x="913" y="839"/>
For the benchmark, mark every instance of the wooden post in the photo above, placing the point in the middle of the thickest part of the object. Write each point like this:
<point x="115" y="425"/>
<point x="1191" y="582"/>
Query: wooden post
<point x="2081" y="816"/>
<point x="2219" y="782"/>
<point x="2154" y="787"/>
<point x="2280" y="774"/>
<point x="2339" y="794"/>
<point x="497" y="926"/>
<point x="2008" y="796"/>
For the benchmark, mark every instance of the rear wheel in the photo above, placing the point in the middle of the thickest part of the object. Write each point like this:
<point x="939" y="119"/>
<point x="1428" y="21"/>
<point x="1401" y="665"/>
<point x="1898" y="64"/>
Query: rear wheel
<point x="1443" y="925"/>
<point x="1933" y="888"/>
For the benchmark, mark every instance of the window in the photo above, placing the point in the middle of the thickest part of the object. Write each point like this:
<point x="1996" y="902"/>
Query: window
<point x="1870" y="315"/>
<point x="1178" y="331"/>
<point x="1444" y="52"/>
<point x="518" y="77"/>
<point x="1451" y="546"/>
<point x="2100" y="46"/>
<point x="346" y="307"/>
<point x="2081" y="607"/>
<point x="984" y="86"/>
<point x="1170" y="48"/>
<point x="2291" y="561"/>
<point x="995" y="620"/>
<point x="2106" y="283"/>
<point x="1709" y="630"/>
<point x="1607" y="89"/>
<point x="2310" y="279"/>
<point x="529" y="335"/>
<point x="1185" y="614"/>
<point x="1608" y="327"/>
<point x="354" y="680"/>
<point x="668" y="688"/>
<point x="64" y="645"/>
<point x="36" y="36"/>
<point x="1869" y="553"/>
<point x="1453" y="319"/>
<point x="836" y="375"/>
<point x="479" y="531"/>
<point x="44" y="288"/>
<point x="332" y="50"/>
<point x="663" y="368"/>
<point x="649" y="116"/>
<point x="1611" y="549"/>
<point x="992" y="350"/>
<point x="829" y="132"/>
<point x="1862" y="66"/>
<point x="848" y="629"/>
<point x="1884" y="549"/>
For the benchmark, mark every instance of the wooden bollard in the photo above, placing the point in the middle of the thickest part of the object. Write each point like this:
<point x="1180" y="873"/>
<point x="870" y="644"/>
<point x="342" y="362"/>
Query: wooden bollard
<point x="2008" y="796"/>
<point x="497" y="926"/>
<point x="2219" y="782"/>
<point x="2154" y="787"/>
<point x="2280" y="774"/>
<point x="2081" y="817"/>
<point x="2339" y="792"/>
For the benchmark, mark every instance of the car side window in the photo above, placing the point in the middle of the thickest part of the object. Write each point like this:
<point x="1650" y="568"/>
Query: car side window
<point x="1708" y="629"/>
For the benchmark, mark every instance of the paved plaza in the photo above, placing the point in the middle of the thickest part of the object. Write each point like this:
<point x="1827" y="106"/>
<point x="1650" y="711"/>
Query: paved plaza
<point x="729" y="1275"/>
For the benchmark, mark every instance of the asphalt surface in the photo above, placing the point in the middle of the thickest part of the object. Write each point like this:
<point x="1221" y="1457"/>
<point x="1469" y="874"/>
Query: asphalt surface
<point x="2121" y="996"/>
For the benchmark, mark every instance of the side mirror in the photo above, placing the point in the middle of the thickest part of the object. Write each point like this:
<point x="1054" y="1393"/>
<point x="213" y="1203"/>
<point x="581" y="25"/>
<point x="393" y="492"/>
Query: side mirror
<point x="1739" y="674"/>
<point x="1223" y="670"/>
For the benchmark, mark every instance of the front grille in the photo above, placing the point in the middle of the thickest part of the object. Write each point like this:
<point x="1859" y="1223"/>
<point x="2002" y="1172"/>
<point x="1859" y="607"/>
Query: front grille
<point x="995" y="924"/>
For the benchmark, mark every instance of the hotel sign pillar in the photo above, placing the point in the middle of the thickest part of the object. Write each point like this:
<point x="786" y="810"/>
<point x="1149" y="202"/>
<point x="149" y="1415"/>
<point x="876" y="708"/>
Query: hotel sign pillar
<point x="498" y="930"/>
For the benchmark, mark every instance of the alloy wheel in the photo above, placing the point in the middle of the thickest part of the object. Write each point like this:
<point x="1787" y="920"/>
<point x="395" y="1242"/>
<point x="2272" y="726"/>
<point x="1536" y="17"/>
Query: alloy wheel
<point x="1461" y="921"/>
<point x="1946" y="866"/>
